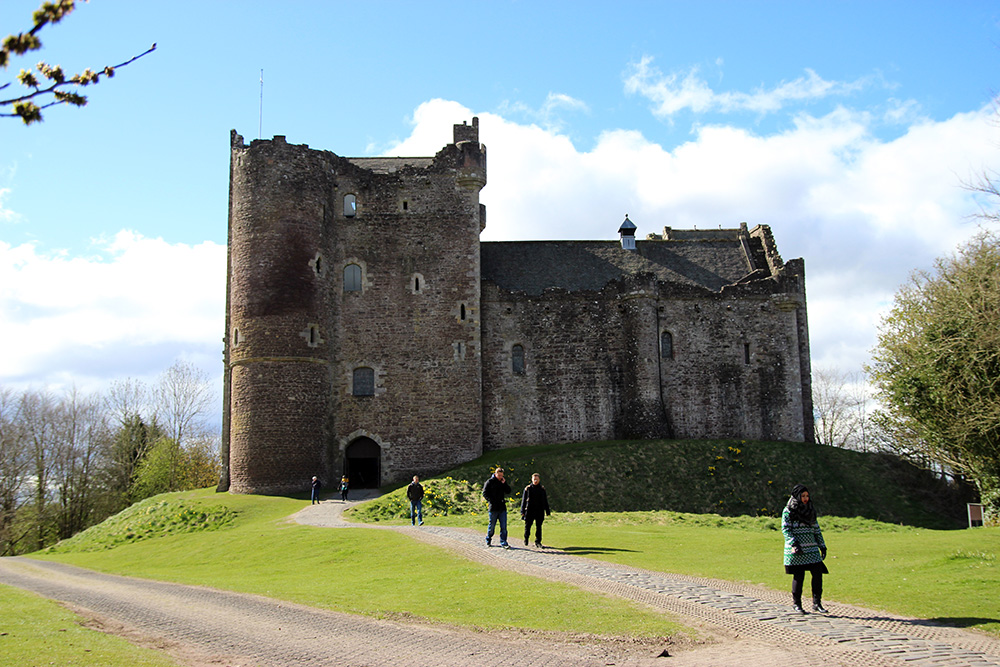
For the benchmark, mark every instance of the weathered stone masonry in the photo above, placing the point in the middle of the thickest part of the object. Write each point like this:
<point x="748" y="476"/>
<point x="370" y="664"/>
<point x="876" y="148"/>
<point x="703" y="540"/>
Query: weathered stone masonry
<point x="369" y="331"/>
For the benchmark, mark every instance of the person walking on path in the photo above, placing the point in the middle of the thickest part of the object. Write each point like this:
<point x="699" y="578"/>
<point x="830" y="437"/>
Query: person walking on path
<point x="415" y="494"/>
<point x="344" y="485"/>
<point x="316" y="486"/>
<point x="534" y="508"/>
<point x="805" y="549"/>
<point x="494" y="491"/>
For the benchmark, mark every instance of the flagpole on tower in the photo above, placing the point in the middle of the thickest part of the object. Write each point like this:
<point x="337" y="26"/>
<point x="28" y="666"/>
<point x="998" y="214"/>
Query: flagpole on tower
<point x="260" y="112"/>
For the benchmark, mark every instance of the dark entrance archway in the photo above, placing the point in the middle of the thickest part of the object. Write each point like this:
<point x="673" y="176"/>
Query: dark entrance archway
<point x="363" y="463"/>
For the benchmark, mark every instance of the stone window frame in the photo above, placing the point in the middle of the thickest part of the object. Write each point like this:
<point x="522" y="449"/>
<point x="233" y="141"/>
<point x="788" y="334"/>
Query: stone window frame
<point x="464" y="313"/>
<point x="378" y="377"/>
<point x="668" y="336"/>
<point x="514" y="367"/>
<point x="365" y="283"/>
<point x="312" y="335"/>
<point x="417" y="283"/>
<point x="350" y="203"/>
<point x="358" y="373"/>
<point x="237" y="337"/>
<point x="319" y="265"/>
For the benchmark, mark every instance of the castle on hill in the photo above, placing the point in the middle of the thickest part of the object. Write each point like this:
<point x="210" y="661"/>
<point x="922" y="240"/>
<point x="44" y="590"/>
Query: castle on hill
<point x="369" y="332"/>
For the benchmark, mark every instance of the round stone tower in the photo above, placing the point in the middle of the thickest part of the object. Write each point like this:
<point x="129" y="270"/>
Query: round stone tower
<point x="277" y="380"/>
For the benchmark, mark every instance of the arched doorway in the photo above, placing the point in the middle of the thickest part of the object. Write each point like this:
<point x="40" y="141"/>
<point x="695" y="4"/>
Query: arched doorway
<point x="363" y="463"/>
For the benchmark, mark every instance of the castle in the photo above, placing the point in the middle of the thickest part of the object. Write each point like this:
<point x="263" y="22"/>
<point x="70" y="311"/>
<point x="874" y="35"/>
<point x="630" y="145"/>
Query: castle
<point x="370" y="332"/>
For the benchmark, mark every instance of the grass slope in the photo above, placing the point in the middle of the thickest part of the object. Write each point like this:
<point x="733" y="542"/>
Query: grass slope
<point x="726" y="477"/>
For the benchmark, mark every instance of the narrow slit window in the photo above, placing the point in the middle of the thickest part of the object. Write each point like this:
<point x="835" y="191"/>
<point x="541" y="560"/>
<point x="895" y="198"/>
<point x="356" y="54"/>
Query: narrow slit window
<point x="746" y="353"/>
<point x="350" y="206"/>
<point x="363" y="382"/>
<point x="517" y="359"/>
<point x="667" y="345"/>
<point x="461" y="312"/>
<point x="352" y="278"/>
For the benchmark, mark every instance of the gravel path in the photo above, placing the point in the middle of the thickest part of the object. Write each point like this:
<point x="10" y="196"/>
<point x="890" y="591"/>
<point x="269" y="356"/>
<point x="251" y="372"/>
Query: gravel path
<point x="746" y="625"/>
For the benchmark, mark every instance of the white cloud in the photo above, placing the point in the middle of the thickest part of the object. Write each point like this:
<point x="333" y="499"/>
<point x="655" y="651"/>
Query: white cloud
<point x="129" y="309"/>
<point x="862" y="212"/>
<point x="6" y="214"/>
<point x="671" y="93"/>
<point x="549" y="115"/>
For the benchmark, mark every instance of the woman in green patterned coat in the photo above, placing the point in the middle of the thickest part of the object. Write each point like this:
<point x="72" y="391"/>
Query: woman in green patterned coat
<point x="805" y="549"/>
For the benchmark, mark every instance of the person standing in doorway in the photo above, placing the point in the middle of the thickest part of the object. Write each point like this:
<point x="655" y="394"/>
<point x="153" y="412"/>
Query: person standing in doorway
<point x="494" y="490"/>
<point x="805" y="549"/>
<point x="415" y="494"/>
<point x="344" y="485"/>
<point x="316" y="486"/>
<point x="534" y="508"/>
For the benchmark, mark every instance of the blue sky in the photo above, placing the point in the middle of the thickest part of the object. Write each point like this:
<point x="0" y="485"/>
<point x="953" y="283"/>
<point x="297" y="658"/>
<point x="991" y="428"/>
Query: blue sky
<point x="848" y="127"/>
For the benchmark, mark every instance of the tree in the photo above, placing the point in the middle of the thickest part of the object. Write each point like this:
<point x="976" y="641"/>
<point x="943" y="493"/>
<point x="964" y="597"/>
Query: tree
<point x="183" y="397"/>
<point x="839" y="403"/>
<point x="936" y="366"/>
<point x="14" y="465"/>
<point x="47" y="84"/>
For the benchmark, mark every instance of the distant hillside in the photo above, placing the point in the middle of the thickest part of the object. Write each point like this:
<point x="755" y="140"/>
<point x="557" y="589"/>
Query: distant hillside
<point x="726" y="477"/>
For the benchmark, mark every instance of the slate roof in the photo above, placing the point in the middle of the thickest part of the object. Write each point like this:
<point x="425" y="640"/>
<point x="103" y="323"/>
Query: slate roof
<point x="532" y="266"/>
<point x="388" y="165"/>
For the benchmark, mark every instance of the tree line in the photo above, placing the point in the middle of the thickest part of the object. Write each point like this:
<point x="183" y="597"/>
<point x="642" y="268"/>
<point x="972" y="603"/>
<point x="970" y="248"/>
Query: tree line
<point x="69" y="461"/>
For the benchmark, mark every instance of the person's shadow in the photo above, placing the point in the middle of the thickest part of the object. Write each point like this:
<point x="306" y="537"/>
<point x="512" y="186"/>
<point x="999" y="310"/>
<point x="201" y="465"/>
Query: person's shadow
<point x="588" y="551"/>
<point x="940" y="621"/>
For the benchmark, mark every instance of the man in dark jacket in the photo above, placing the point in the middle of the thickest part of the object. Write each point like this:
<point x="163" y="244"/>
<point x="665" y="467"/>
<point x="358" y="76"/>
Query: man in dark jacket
<point x="494" y="491"/>
<point x="415" y="494"/>
<point x="534" y="508"/>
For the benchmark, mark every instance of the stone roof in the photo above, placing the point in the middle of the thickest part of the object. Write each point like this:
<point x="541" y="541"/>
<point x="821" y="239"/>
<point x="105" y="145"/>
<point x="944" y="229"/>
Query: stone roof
<point x="533" y="266"/>
<point x="388" y="165"/>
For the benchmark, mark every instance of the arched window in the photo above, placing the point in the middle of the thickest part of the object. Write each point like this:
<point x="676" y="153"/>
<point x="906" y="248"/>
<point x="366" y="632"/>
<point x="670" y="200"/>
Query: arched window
<point x="461" y="312"/>
<point x="350" y="206"/>
<point x="666" y="345"/>
<point x="363" y="382"/>
<point x="352" y="278"/>
<point x="517" y="359"/>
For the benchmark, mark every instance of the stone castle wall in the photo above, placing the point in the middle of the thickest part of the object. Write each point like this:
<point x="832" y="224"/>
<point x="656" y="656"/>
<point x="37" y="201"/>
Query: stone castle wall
<point x="596" y="368"/>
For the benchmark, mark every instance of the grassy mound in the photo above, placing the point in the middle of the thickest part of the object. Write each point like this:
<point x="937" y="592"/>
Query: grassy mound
<point x="154" y="517"/>
<point x="723" y="477"/>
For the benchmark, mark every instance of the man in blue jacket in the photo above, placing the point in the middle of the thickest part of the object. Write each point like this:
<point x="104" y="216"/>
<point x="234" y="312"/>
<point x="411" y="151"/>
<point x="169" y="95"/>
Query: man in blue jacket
<point x="494" y="491"/>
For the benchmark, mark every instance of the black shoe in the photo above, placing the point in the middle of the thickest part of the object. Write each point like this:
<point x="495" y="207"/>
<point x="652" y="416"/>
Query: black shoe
<point x="488" y="543"/>
<point x="526" y="543"/>
<point x="798" y="607"/>
<point x="538" y="545"/>
<point x="505" y="545"/>
<point x="818" y="607"/>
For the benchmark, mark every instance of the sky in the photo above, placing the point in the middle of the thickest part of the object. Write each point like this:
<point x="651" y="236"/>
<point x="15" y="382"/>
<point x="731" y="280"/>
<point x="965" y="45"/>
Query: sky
<point x="851" y="128"/>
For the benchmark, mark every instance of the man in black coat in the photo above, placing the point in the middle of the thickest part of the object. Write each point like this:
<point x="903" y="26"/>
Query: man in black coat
<point x="534" y="508"/>
<point x="415" y="494"/>
<point x="494" y="491"/>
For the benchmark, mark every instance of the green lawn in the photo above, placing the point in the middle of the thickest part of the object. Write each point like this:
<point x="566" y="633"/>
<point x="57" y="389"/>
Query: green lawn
<point x="36" y="631"/>
<point x="253" y="548"/>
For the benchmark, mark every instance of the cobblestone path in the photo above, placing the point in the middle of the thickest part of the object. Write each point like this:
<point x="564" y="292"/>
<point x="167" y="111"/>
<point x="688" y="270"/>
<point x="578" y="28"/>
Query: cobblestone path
<point x="848" y="635"/>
